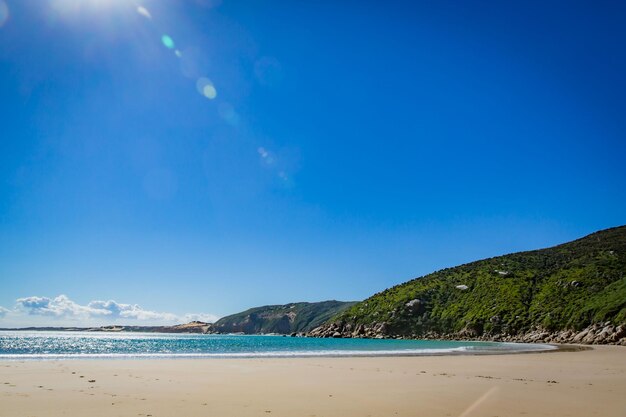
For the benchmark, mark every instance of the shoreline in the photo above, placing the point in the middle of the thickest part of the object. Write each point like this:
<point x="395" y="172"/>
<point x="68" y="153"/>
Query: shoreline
<point x="272" y="355"/>
<point x="65" y="347"/>
<point x="575" y="383"/>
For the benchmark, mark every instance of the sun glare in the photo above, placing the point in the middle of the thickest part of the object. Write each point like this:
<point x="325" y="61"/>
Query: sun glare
<point x="75" y="8"/>
<point x="4" y="13"/>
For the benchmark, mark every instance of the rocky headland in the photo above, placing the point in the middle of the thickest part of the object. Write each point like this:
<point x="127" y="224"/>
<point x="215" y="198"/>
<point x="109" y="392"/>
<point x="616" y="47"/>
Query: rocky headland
<point x="570" y="293"/>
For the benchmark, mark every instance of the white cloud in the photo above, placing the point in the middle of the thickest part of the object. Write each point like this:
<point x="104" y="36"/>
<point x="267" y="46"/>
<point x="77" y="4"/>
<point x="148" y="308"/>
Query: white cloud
<point x="130" y="311"/>
<point x="61" y="310"/>
<point x="60" y="306"/>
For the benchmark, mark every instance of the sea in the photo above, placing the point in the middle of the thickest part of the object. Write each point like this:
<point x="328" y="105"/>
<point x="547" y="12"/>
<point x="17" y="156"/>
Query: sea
<point x="41" y="345"/>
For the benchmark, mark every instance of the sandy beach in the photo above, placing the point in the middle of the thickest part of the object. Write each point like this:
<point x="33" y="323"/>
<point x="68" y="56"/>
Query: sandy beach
<point x="583" y="383"/>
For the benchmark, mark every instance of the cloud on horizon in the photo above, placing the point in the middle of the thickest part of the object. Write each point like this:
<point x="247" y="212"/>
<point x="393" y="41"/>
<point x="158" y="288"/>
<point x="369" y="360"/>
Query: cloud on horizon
<point x="37" y="310"/>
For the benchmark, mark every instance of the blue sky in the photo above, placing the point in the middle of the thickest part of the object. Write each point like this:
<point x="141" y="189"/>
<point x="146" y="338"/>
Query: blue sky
<point x="168" y="160"/>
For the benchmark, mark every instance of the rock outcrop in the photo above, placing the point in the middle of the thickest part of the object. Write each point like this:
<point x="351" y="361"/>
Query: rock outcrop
<point x="599" y="333"/>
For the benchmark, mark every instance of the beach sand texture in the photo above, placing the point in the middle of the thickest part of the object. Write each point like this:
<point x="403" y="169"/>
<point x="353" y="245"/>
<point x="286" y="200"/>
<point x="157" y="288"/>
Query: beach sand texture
<point x="583" y="383"/>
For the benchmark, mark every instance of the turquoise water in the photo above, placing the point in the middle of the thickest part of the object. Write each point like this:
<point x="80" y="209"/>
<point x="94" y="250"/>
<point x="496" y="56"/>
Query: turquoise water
<point x="68" y="345"/>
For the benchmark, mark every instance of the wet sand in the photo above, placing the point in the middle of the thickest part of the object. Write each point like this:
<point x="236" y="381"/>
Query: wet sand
<point x="581" y="383"/>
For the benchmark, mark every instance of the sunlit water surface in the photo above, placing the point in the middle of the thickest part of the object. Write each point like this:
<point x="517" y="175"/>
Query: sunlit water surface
<point x="93" y="345"/>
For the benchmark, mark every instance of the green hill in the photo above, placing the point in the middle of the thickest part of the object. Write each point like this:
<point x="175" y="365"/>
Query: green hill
<point x="284" y="319"/>
<point x="566" y="287"/>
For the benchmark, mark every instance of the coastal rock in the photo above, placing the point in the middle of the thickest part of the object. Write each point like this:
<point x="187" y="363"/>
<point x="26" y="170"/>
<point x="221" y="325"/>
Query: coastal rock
<point x="580" y="336"/>
<point x="594" y="334"/>
<point x="414" y="306"/>
<point x="590" y="337"/>
<point x="604" y="334"/>
<point x="358" y="331"/>
<point x="469" y="333"/>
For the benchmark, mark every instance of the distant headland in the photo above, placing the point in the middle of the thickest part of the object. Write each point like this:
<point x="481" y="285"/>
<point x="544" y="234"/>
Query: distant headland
<point x="570" y="293"/>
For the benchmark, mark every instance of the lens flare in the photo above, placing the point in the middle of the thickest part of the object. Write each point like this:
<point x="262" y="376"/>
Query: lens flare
<point x="228" y="114"/>
<point x="4" y="13"/>
<point x="266" y="156"/>
<point x="167" y="41"/>
<point x="286" y="180"/>
<point x="144" y="12"/>
<point x="210" y="92"/>
<point x="206" y="88"/>
<point x="468" y="411"/>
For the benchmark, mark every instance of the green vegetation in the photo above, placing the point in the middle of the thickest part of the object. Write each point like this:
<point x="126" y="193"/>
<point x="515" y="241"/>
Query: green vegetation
<point x="285" y="319"/>
<point x="565" y="287"/>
